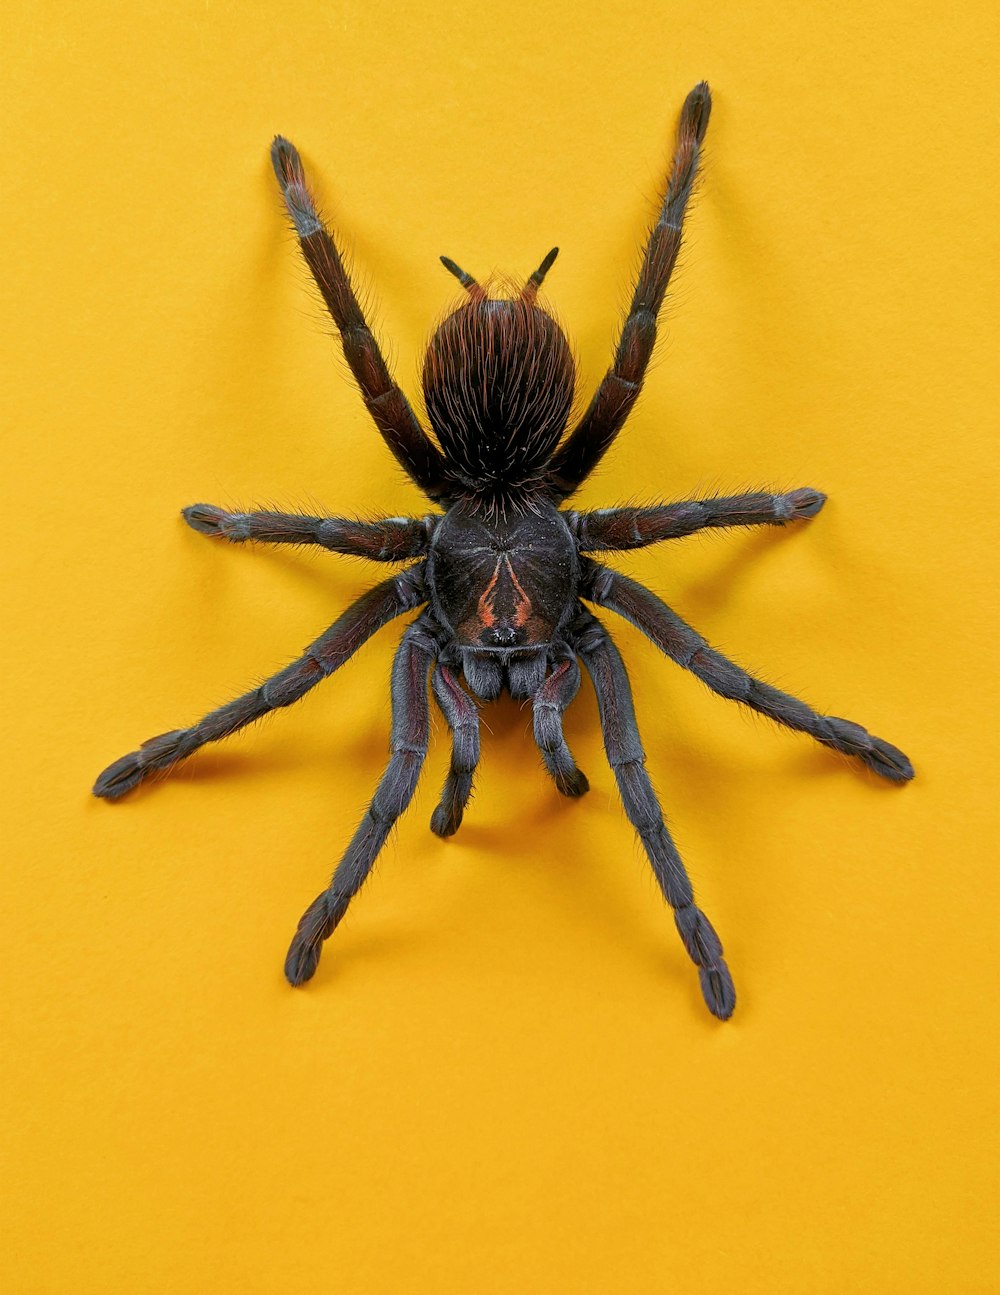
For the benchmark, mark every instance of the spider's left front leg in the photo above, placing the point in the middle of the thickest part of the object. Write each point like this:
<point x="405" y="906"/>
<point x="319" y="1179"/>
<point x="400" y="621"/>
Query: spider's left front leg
<point x="606" y="530"/>
<point x="628" y="761"/>
<point x="390" y="539"/>
<point x="673" y="636"/>
<point x="410" y="731"/>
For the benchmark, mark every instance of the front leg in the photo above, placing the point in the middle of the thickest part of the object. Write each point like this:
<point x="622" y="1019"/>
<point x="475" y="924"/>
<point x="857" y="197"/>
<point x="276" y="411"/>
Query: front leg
<point x="390" y="539"/>
<point x="607" y="530"/>
<point x="408" y="747"/>
<point x="628" y="761"/>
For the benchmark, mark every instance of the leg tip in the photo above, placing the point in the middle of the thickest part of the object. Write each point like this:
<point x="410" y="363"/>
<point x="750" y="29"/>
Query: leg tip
<point x="292" y="178"/>
<point x="445" y="823"/>
<point x="206" y="519"/>
<point x="301" y="963"/>
<point x="804" y="503"/>
<point x="574" y="784"/>
<point x="888" y="762"/>
<point x="119" y="778"/>
<point x="718" y="990"/>
<point x="696" y="111"/>
<point x="316" y="925"/>
<point x="285" y="160"/>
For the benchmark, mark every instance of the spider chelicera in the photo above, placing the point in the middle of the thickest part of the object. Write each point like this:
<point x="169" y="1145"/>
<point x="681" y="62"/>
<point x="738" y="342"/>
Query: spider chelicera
<point x="503" y="572"/>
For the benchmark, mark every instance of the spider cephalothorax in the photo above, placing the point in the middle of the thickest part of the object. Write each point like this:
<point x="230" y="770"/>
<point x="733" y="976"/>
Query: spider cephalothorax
<point x="503" y="573"/>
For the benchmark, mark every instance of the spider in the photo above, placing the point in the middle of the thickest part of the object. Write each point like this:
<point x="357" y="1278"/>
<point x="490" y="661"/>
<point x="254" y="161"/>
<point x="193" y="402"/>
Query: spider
<point x="503" y="572"/>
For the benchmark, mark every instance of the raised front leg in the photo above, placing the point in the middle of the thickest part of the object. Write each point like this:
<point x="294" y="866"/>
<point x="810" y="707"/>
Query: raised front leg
<point x="549" y="705"/>
<point x="390" y="539"/>
<point x="607" y="530"/>
<point x="627" y="759"/>
<point x="621" y="385"/>
<point x="462" y="715"/>
<point x="328" y="653"/>
<point x="383" y="398"/>
<point x="686" y="646"/>
<point x="410" y="725"/>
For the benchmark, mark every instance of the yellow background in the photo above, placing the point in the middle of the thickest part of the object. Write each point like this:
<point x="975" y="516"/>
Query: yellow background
<point x="503" y="1077"/>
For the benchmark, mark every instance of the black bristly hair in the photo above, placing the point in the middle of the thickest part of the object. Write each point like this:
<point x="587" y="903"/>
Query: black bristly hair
<point x="498" y="383"/>
<point x="501" y="575"/>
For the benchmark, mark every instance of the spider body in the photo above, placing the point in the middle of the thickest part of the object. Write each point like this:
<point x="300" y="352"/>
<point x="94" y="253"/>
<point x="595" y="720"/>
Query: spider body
<point x="504" y="584"/>
<point x="501" y="577"/>
<point x="498" y="385"/>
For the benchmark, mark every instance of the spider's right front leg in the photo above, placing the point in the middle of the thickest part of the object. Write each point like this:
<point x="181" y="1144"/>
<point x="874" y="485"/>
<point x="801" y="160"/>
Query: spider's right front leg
<point x="362" y="619"/>
<point x="390" y="539"/>
<point x="410" y="733"/>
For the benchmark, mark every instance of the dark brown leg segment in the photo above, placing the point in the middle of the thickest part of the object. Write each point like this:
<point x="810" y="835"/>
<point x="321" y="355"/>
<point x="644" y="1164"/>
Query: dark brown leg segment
<point x="384" y="400"/>
<point x="621" y="385"/>
<point x="549" y="705"/>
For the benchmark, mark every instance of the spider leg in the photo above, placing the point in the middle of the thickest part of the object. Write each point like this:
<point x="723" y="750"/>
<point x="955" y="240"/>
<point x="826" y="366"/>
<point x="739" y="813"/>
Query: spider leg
<point x="548" y="706"/>
<point x="408" y="744"/>
<point x="621" y="385"/>
<point x="613" y="529"/>
<point x="687" y="647"/>
<point x="390" y="539"/>
<point x="359" y="622"/>
<point x="462" y="715"/>
<point x="384" y="400"/>
<point x="627" y="759"/>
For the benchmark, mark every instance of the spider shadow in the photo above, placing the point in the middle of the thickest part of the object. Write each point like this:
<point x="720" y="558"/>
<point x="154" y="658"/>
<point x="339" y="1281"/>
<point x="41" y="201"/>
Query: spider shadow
<point x="310" y="570"/>
<point x="711" y="591"/>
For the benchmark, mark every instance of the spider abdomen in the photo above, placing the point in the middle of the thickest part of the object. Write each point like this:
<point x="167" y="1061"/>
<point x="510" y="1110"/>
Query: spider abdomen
<point x="498" y="384"/>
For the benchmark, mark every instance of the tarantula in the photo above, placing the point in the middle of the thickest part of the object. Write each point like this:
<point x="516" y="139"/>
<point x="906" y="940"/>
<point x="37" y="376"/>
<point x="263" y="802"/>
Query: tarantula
<point x="503" y="572"/>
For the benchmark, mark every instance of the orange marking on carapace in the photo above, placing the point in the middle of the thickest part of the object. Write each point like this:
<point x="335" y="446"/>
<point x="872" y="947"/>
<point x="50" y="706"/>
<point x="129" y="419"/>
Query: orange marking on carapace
<point x="487" y="600"/>
<point x="522" y="608"/>
<point x="485" y="607"/>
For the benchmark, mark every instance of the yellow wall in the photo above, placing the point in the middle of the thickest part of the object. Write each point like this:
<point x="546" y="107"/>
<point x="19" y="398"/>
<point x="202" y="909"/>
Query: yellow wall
<point x="503" y="1078"/>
